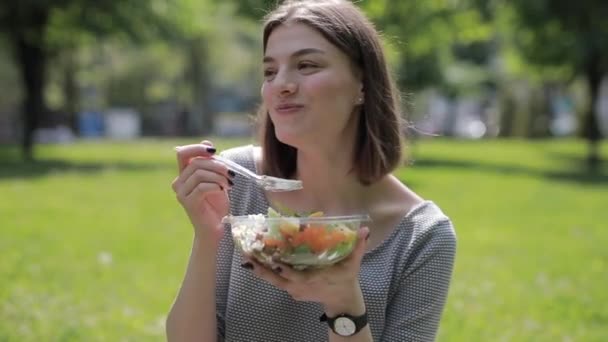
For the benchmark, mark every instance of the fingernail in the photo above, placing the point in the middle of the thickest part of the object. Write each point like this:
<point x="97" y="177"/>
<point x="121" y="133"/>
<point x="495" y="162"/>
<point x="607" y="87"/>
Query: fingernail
<point x="177" y="148"/>
<point x="231" y="173"/>
<point x="277" y="269"/>
<point x="367" y="237"/>
<point x="247" y="265"/>
<point x="230" y="182"/>
<point x="221" y="188"/>
<point x="211" y="149"/>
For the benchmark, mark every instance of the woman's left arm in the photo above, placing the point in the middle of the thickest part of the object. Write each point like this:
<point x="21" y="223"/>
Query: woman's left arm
<point x="336" y="288"/>
<point x="354" y="305"/>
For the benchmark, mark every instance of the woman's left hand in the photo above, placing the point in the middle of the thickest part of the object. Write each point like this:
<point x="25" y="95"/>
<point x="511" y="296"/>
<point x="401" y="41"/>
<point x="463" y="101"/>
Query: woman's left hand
<point x="332" y="286"/>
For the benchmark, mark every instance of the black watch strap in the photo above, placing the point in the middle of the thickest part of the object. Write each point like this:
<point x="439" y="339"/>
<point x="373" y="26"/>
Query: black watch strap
<point x="359" y="321"/>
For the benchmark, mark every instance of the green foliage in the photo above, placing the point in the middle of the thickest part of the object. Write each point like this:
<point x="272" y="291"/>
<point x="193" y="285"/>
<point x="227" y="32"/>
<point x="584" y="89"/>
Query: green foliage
<point x="138" y="77"/>
<point x="71" y="21"/>
<point x="132" y="19"/>
<point x="419" y="36"/>
<point x="567" y="31"/>
<point x="255" y="9"/>
<point x="432" y="35"/>
<point x="94" y="245"/>
<point x="573" y="35"/>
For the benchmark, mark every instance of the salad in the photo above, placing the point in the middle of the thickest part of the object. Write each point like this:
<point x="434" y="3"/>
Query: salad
<point x="301" y="241"/>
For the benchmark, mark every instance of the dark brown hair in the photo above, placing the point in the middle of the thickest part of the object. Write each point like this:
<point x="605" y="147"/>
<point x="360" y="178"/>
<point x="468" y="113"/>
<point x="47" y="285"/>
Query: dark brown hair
<point x="378" y="146"/>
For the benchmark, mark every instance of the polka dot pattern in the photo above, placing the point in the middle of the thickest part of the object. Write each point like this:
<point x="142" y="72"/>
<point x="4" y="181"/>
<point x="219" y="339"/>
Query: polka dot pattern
<point x="405" y="279"/>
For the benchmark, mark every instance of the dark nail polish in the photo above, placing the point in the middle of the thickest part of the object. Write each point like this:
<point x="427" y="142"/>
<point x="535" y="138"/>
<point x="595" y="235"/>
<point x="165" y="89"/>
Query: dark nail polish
<point x="230" y="182"/>
<point x="247" y="265"/>
<point x="367" y="237"/>
<point x="277" y="269"/>
<point x="211" y="149"/>
<point x="221" y="188"/>
<point x="231" y="173"/>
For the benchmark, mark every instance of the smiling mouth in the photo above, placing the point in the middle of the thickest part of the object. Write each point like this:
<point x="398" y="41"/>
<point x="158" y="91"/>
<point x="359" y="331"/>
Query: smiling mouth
<point x="291" y="108"/>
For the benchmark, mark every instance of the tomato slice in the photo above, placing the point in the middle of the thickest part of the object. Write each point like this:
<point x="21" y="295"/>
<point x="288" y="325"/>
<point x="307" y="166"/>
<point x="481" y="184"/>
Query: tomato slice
<point x="270" y="242"/>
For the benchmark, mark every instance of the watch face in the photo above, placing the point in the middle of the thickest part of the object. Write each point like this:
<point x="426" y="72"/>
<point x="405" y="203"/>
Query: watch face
<point x="344" y="326"/>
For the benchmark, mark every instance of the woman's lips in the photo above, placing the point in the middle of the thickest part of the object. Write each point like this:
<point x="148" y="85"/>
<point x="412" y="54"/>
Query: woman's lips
<point x="288" y="108"/>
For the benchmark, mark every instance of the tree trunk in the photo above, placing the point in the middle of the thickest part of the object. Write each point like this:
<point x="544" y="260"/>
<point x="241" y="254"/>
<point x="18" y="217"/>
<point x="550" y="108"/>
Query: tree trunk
<point x="27" y="32"/>
<point x="507" y="113"/>
<point x="591" y="130"/>
<point x="539" y="112"/>
<point x="199" y="78"/>
<point x="449" y="128"/>
<point x="70" y="89"/>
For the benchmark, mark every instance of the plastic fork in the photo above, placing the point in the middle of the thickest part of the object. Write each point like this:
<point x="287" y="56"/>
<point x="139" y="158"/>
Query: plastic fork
<point x="267" y="183"/>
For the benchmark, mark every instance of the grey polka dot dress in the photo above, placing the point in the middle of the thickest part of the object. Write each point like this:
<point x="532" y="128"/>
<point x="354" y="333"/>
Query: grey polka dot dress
<point x="404" y="280"/>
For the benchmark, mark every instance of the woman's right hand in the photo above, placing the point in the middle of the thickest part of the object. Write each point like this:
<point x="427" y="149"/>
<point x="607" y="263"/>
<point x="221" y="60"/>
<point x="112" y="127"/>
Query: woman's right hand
<point x="201" y="188"/>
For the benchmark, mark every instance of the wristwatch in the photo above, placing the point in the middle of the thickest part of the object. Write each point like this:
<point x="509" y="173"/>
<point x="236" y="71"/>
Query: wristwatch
<point x="344" y="324"/>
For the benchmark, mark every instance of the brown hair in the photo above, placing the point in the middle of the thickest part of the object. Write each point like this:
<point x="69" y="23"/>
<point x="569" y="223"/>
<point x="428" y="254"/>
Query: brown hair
<point x="378" y="146"/>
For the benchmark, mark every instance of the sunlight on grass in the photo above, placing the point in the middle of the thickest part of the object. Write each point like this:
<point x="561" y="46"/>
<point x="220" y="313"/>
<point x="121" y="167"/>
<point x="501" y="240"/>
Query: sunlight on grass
<point x="93" y="244"/>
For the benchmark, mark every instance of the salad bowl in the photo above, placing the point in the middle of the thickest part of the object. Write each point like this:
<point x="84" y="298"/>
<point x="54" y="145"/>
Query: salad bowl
<point x="311" y="241"/>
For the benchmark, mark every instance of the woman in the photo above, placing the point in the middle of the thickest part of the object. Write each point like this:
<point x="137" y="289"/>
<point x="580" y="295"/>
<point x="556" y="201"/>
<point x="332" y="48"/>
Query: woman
<point x="329" y="118"/>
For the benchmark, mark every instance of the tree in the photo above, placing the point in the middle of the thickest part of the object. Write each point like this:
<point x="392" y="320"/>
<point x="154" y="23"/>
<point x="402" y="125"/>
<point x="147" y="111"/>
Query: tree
<point x="444" y="45"/>
<point x="27" y="24"/>
<point x="573" y="35"/>
<point x="419" y="37"/>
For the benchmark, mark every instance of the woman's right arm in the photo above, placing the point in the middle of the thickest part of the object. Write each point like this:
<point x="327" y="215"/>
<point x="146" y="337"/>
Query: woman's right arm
<point x="201" y="190"/>
<point x="192" y="316"/>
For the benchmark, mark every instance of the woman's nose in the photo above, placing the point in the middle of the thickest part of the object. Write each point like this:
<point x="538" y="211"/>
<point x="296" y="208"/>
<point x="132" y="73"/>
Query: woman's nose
<point x="285" y="84"/>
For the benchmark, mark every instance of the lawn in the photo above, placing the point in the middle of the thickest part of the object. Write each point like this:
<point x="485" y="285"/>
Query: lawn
<point x="93" y="244"/>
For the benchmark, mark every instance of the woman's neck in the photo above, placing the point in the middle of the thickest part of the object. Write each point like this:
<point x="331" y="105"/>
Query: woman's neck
<point x="329" y="182"/>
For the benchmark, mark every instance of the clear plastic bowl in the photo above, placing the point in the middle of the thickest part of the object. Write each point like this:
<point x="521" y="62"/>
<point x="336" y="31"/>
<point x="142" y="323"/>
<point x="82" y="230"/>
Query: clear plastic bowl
<point x="302" y="242"/>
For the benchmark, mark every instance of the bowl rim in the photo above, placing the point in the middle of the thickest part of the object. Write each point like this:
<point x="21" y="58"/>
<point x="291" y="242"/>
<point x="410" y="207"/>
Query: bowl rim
<point x="302" y="220"/>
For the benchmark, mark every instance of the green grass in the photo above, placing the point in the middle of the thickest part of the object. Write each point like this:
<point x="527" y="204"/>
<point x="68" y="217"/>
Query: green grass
<point x="93" y="244"/>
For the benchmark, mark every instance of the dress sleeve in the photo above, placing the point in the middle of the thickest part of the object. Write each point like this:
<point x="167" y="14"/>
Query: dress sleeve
<point x="415" y="309"/>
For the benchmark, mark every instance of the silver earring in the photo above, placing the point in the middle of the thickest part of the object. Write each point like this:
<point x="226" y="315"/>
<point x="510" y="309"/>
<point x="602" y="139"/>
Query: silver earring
<point x="360" y="100"/>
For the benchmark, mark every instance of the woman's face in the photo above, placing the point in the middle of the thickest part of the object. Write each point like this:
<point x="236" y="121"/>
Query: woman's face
<point x="309" y="89"/>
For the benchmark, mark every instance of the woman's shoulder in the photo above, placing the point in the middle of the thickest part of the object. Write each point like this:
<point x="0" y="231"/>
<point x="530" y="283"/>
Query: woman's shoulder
<point x="428" y="227"/>
<point x="419" y="216"/>
<point x="427" y="216"/>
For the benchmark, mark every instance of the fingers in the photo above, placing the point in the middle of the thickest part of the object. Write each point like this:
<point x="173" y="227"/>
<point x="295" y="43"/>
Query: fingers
<point x="270" y="275"/>
<point x="199" y="175"/>
<point x="186" y="152"/>
<point x="203" y="189"/>
<point x="290" y="274"/>
<point x="202" y="176"/>
<point x="202" y="163"/>
<point x="359" y="249"/>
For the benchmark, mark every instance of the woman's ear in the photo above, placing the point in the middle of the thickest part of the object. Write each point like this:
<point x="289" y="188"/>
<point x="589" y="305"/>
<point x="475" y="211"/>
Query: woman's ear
<point x="361" y="97"/>
<point x="360" y="100"/>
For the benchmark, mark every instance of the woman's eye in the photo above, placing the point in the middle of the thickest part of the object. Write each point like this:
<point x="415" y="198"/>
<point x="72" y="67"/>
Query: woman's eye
<point x="268" y="73"/>
<point x="306" y="66"/>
